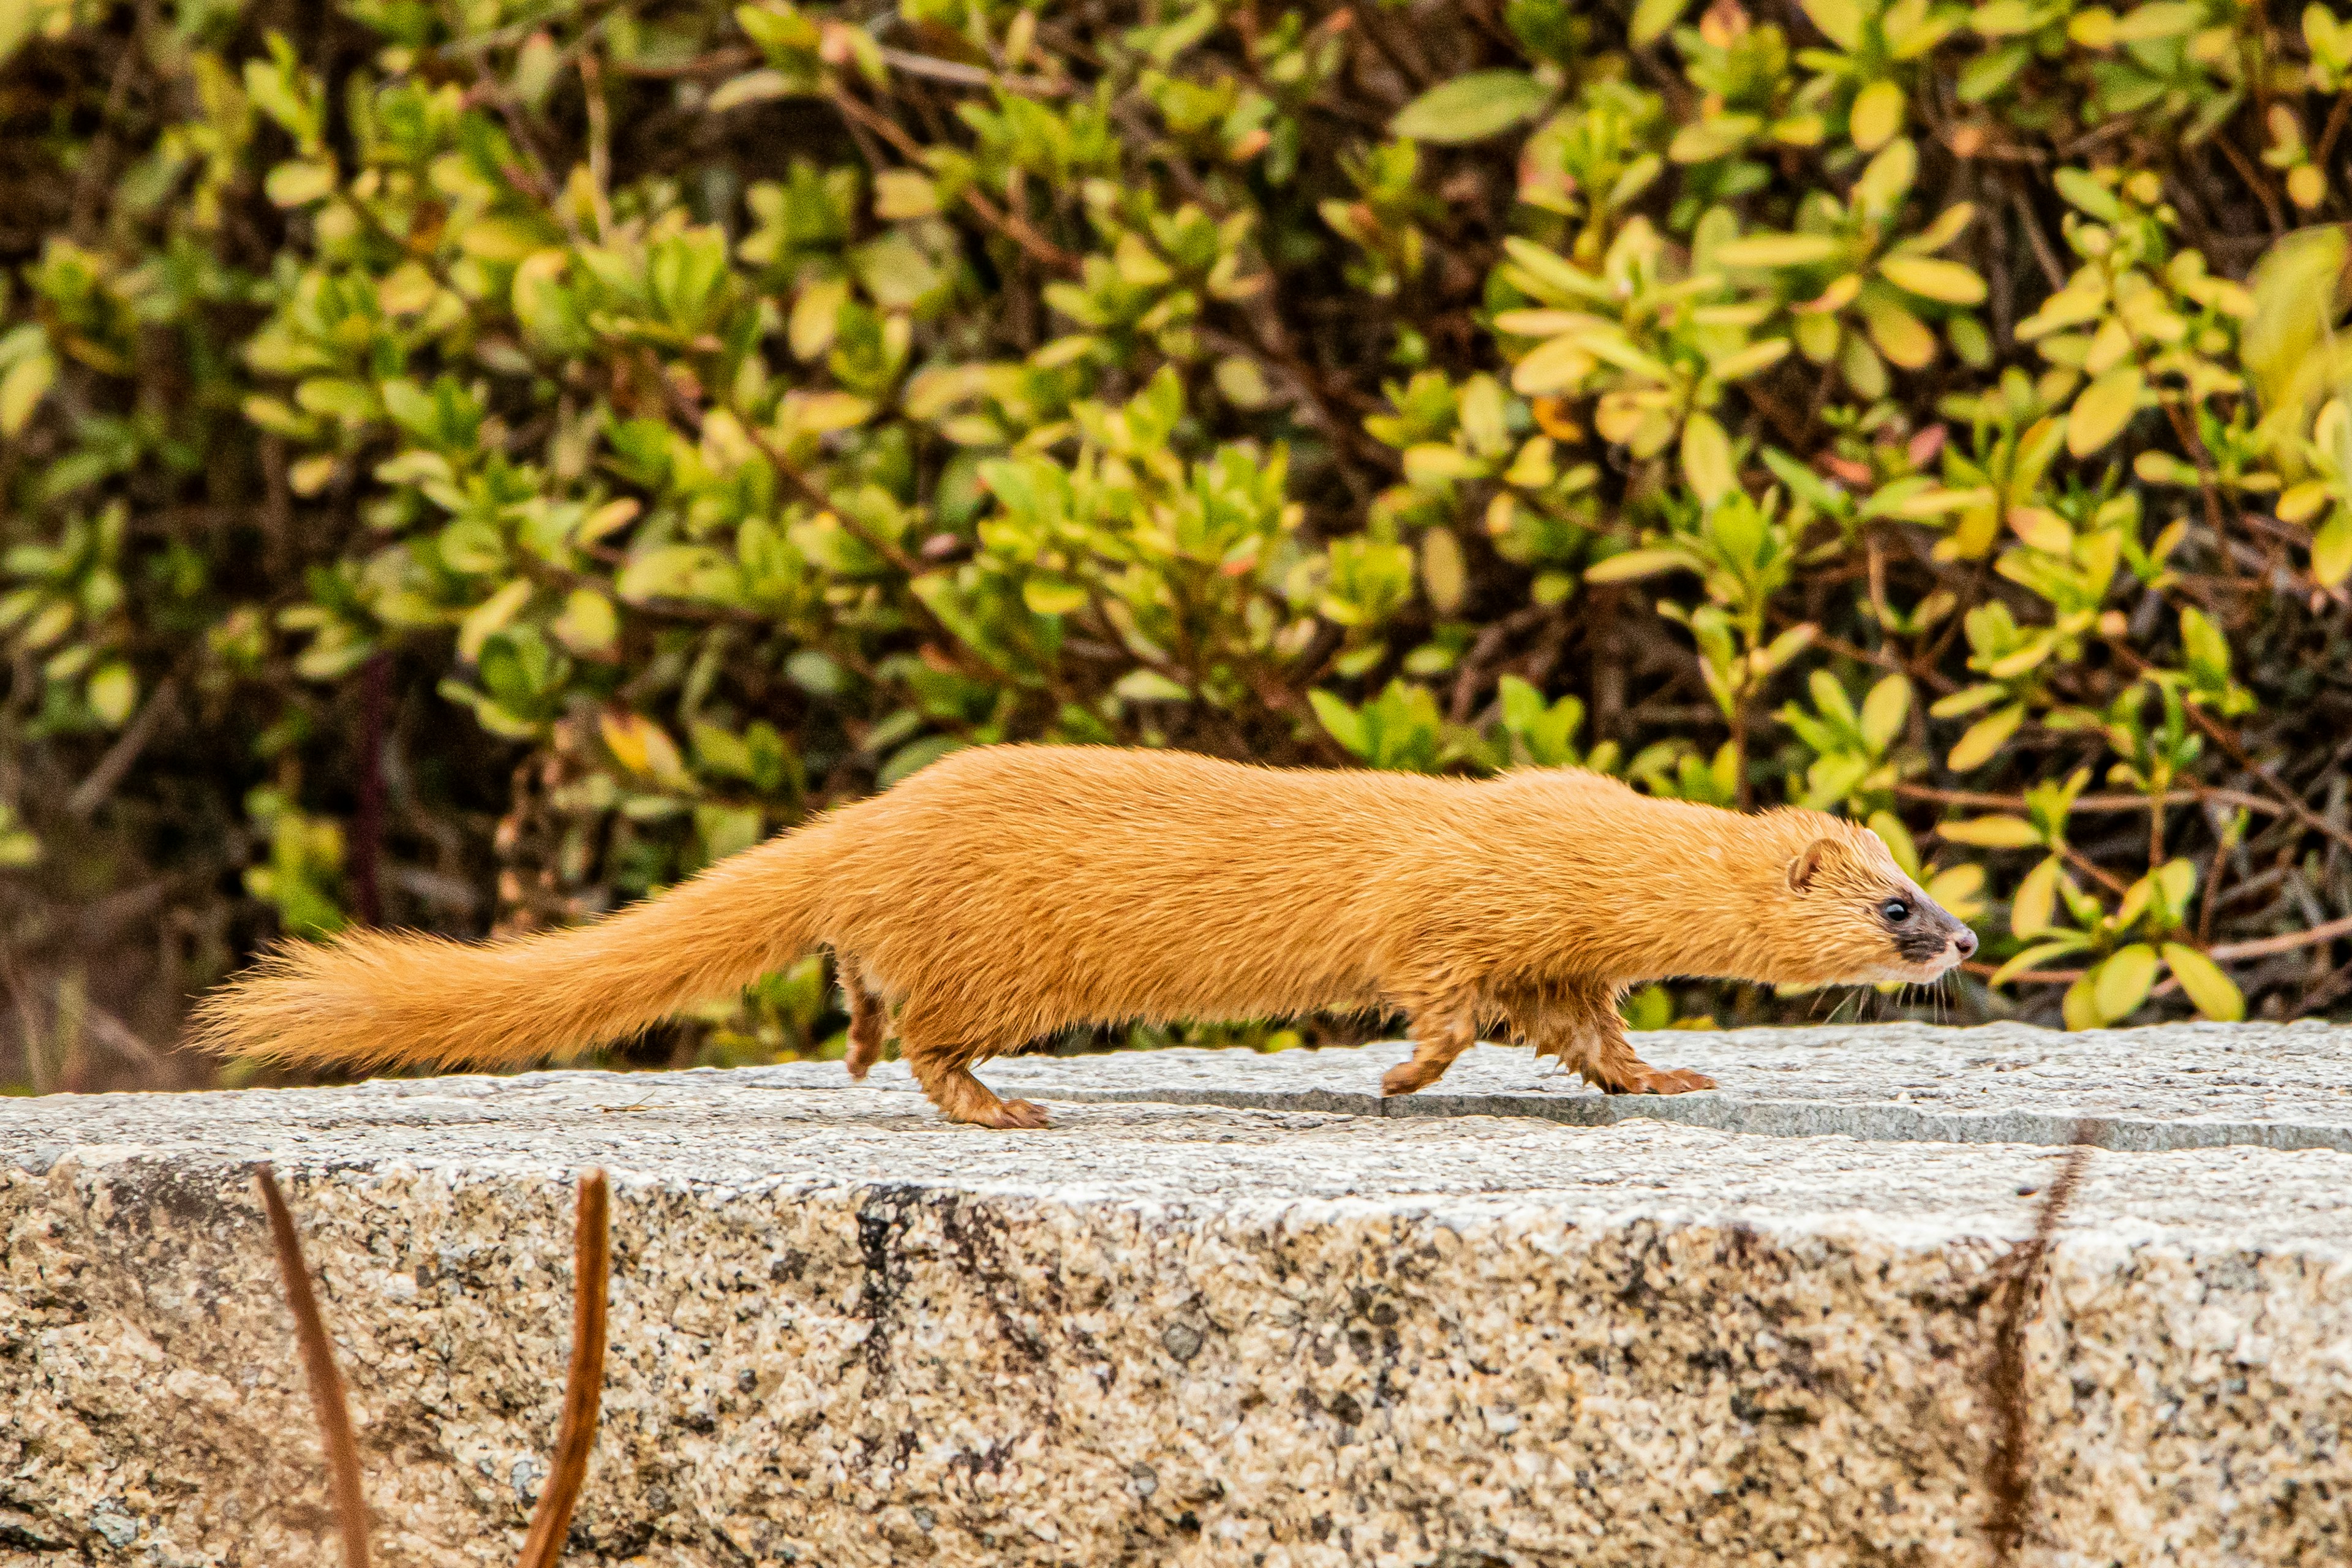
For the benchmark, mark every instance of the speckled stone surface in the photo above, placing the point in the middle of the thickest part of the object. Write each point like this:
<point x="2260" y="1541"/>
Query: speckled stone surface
<point x="843" y="1333"/>
<point x="2179" y="1085"/>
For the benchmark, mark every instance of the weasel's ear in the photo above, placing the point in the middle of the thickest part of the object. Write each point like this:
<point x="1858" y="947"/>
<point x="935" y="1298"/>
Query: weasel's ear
<point x="1806" y="862"/>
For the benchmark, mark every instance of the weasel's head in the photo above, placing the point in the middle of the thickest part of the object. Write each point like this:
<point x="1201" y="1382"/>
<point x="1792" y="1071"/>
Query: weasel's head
<point x="1850" y="916"/>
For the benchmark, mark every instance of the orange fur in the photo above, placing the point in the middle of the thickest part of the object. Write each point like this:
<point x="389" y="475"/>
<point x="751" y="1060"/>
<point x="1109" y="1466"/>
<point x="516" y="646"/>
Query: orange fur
<point x="1007" y="892"/>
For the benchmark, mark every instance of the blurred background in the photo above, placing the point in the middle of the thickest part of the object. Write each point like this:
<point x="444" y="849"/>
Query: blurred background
<point x="470" y="463"/>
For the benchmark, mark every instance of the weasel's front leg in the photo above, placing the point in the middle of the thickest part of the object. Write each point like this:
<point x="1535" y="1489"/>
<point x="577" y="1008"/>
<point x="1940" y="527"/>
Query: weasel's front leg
<point x="1576" y="1021"/>
<point x="1440" y="1033"/>
<point x="868" y="1020"/>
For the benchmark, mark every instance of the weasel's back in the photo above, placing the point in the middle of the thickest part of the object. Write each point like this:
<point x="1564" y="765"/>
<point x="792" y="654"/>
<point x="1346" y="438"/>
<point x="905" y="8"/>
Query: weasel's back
<point x="1154" y="872"/>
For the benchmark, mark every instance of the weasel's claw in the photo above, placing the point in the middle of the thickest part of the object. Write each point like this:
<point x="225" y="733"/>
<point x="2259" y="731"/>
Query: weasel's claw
<point x="1017" y="1114"/>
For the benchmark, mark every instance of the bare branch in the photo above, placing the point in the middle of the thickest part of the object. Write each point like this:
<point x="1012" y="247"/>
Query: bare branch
<point x="319" y="1367"/>
<point x="583" y="1388"/>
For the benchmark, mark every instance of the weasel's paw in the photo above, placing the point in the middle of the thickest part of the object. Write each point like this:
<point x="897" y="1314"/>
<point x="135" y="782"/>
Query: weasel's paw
<point x="1406" y="1077"/>
<point x="1011" y="1114"/>
<point x="1645" y="1080"/>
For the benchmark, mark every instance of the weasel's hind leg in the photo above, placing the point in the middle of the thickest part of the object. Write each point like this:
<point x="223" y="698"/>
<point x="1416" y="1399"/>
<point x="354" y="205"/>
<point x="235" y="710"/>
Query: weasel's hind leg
<point x="1576" y="1021"/>
<point x="1440" y="1033"/>
<point x="941" y="1057"/>
<point x="869" y="1022"/>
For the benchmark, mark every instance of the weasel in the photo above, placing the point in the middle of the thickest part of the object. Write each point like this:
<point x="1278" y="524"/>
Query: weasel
<point x="1006" y="892"/>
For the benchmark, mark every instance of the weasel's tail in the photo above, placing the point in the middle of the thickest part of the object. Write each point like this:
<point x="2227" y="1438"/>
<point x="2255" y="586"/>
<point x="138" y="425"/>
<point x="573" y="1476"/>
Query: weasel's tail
<point x="374" y="997"/>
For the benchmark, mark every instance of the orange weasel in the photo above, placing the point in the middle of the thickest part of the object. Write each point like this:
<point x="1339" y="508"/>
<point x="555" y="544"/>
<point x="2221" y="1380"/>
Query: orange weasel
<point x="1006" y="892"/>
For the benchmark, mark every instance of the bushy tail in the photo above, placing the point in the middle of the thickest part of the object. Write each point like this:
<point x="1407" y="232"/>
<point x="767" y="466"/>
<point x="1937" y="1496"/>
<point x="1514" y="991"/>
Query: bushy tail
<point x="372" y="998"/>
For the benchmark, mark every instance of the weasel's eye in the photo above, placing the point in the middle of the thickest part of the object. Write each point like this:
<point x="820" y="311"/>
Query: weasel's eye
<point x="1895" y="910"/>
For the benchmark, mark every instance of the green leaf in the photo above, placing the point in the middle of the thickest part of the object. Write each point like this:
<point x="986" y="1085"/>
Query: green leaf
<point x="2106" y="406"/>
<point x="2203" y="982"/>
<point x="2122" y="983"/>
<point x="2086" y="194"/>
<point x="1706" y="459"/>
<point x="1652" y="17"/>
<point x="915" y="756"/>
<point x="1346" y="725"/>
<point x="1471" y="108"/>
<point x="1150" y="686"/>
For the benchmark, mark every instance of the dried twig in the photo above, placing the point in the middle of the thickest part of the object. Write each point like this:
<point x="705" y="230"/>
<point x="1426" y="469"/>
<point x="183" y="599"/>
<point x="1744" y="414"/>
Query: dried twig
<point x="582" y="1389"/>
<point x="2009" y="1480"/>
<point x="591" y="1251"/>
<point x="319" y="1367"/>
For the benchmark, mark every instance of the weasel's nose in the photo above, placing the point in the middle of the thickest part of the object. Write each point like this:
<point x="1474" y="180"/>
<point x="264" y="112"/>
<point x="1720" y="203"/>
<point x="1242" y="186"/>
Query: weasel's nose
<point x="1966" y="941"/>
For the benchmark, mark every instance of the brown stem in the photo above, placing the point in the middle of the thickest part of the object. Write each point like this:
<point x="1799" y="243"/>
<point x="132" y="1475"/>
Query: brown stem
<point x="367" y="825"/>
<point x="2288" y="943"/>
<point x="319" y="1366"/>
<point x="591" y="1268"/>
<point x="1012" y="225"/>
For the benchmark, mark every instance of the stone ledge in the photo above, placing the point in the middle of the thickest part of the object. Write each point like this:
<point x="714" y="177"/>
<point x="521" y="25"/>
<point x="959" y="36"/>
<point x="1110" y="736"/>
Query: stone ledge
<point x="845" y="1333"/>
<point x="2177" y="1085"/>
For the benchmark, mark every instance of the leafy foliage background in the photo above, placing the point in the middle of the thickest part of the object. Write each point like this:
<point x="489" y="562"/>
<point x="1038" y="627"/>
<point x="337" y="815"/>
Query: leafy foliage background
<point x="471" y="462"/>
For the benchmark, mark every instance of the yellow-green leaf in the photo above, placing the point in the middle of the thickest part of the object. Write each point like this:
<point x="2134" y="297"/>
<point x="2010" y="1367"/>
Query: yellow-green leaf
<point x="2122" y="983"/>
<point x="2331" y="549"/>
<point x="22" y="389"/>
<point x="2037" y="897"/>
<point x="1445" y="575"/>
<point x="1931" y="278"/>
<point x="1877" y="115"/>
<point x="642" y="746"/>
<point x="1652" y="17"/>
<point x="1883" y="710"/>
<point x="1051" y="597"/>
<point x="2203" y="983"/>
<point x="299" y="183"/>
<point x="1991" y="832"/>
<point x="1778" y="250"/>
<point x="2103" y="410"/>
<point x="1706" y="458"/>
<point x="113" y="692"/>
<point x="1548" y="367"/>
<point x="1898" y="334"/>
<point x="1471" y="108"/>
<point x="1985" y="737"/>
<point x="489" y="616"/>
<point x="1635" y="564"/>
<point x="2033" y="958"/>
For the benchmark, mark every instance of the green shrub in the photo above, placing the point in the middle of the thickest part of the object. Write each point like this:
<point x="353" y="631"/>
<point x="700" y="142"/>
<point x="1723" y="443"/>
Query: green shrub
<point x="470" y="464"/>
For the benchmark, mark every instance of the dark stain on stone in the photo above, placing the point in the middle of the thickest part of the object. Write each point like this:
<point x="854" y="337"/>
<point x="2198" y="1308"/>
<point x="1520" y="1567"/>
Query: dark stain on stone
<point x="882" y="1218"/>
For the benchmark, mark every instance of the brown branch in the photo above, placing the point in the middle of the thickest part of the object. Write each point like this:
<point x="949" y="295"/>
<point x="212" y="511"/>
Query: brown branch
<point x="2095" y="803"/>
<point x="91" y="792"/>
<point x="319" y="1366"/>
<point x="962" y="75"/>
<point x="2288" y="943"/>
<point x="1012" y="225"/>
<point x="591" y="1268"/>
